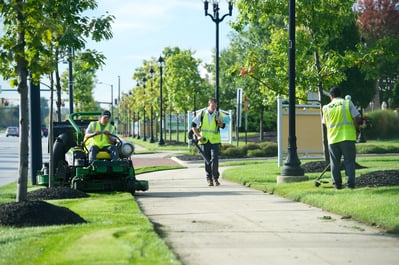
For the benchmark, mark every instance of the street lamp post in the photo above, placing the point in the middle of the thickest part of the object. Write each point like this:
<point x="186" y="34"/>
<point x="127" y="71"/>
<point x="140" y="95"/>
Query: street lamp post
<point x="292" y="170"/>
<point x="119" y="96"/>
<point x="215" y="18"/>
<point x="117" y="104"/>
<point x="152" y="140"/>
<point x="112" y="99"/>
<point x="145" y="127"/>
<point x="138" y="119"/>
<point x="70" y="79"/>
<point x="161" y="63"/>
<point x="139" y="125"/>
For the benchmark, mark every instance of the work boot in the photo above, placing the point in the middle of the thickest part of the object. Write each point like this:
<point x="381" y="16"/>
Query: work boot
<point x="210" y="182"/>
<point x="337" y="186"/>
<point x="217" y="182"/>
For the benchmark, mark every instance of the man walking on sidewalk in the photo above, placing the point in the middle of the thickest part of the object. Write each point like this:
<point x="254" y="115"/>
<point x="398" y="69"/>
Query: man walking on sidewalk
<point x="209" y="122"/>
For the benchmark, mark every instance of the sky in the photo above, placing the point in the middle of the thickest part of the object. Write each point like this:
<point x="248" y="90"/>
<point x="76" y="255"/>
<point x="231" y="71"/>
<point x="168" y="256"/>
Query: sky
<point x="141" y="30"/>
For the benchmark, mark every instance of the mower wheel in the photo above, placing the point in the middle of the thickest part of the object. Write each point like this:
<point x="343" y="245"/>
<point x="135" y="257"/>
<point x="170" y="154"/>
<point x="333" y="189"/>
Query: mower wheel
<point x="131" y="187"/>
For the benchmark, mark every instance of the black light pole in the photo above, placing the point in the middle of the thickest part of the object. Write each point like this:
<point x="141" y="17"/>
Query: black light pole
<point x="138" y="120"/>
<point x="151" y="73"/>
<point x="138" y="126"/>
<point x="144" y="136"/>
<point x="112" y="99"/>
<point x="292" y="162"/>
<point x="133" y="124"/>
<point x="131" y="118"/>
<point x="117" y="104"/>
<point x="215" y="18"/>
<point x="161" y="63"/>
<point x="70" y="80"/>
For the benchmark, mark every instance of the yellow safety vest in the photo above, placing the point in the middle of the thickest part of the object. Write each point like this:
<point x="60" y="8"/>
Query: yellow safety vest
<point x="210" y="130"/>
<point x="100" y="140"/>
<point x="339" y="121"/>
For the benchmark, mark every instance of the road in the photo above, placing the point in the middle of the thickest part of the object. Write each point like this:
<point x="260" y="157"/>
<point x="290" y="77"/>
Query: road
<point x="9" y="157"/>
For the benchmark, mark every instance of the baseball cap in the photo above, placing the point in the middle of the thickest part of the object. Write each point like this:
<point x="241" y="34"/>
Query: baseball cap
<point x="106" y="113"/>
<point x="335" y="91"/>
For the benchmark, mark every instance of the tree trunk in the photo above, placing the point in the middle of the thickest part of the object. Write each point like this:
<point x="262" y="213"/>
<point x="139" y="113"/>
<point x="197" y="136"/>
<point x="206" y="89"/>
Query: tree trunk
<point x="177" y="127"/>
<point x="376" y="100"/>
<point x="323" y="127"/>
<point x="58" y="87"/>
<point x="22" y="72"/>
<point x="262" y="112"/>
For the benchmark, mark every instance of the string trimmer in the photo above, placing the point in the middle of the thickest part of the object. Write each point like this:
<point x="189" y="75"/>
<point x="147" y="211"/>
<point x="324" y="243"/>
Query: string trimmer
<point x="318" y="180"/>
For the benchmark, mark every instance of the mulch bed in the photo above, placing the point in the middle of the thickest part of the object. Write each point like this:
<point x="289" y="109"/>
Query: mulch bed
<point x="36" y="212"/>
<point x="378" y="178"/>
<point x="55" y="193"/>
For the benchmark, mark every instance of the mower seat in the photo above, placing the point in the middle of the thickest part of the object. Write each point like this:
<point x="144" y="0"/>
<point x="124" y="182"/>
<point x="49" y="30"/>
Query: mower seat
<point x="103" y="155"/>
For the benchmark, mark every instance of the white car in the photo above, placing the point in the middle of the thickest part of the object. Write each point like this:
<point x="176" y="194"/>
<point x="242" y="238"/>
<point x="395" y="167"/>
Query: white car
<point x="12" y="131"/>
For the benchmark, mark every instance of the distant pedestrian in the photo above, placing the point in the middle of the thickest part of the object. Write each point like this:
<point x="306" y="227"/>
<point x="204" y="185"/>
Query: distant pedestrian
<point x="209" y="123"/>
<point x="341" y="119"/>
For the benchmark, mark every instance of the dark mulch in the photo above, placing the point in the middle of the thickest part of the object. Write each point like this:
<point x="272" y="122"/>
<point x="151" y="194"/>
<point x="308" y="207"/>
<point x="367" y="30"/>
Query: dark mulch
<point x="36" y="212"/>
<point x="55" y="193"/>
<point x="319" y="166"/>
<point x="378" y="178"/>
<point x="186" y="157"/>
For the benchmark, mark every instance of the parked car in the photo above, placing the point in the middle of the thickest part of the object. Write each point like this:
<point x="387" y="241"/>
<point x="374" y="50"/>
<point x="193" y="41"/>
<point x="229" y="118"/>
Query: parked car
<point x="44" y="131"/>
<point x="12" y="131"/>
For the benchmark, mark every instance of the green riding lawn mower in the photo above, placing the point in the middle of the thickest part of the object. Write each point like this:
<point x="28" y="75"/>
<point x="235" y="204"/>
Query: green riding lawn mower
<point x="71" y="166"/>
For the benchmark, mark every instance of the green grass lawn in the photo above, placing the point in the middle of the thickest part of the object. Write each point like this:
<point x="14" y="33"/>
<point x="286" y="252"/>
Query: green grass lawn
<point x="116" y="232"/>
<point x="374" y="206"/>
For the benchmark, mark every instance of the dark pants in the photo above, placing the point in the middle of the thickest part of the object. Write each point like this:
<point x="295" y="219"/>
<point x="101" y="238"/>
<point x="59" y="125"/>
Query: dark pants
<point x="347" y="149"/>
<point x="111" y="149"/>
<point x="211" y="152"/>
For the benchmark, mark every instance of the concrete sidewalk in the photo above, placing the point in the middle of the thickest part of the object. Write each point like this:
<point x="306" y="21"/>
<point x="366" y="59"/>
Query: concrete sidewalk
<point x="235" y="225"/>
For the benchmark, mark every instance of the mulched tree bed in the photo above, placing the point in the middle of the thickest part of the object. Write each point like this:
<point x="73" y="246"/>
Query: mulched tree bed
<point x="55" y="193"/>
<point x="36" y="212"/>
<point x="378" y="178"/>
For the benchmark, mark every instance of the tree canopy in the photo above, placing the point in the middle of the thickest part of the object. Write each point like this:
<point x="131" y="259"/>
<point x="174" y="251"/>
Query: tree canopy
<point x="35" y="33"/>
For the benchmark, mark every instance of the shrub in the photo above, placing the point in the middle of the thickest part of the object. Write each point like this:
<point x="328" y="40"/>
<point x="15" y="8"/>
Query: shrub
<point x="385" y="125"/>
<point x="374" y="149"/>
<point x="265" y="149"/>
<point x="248" y="147"/>
<point x="269" y="148"/>
<point x="256" y="153"/>
<point x="232" y="152"/>
<point x="224" y="147"/>
<point x="370" y="149"/>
